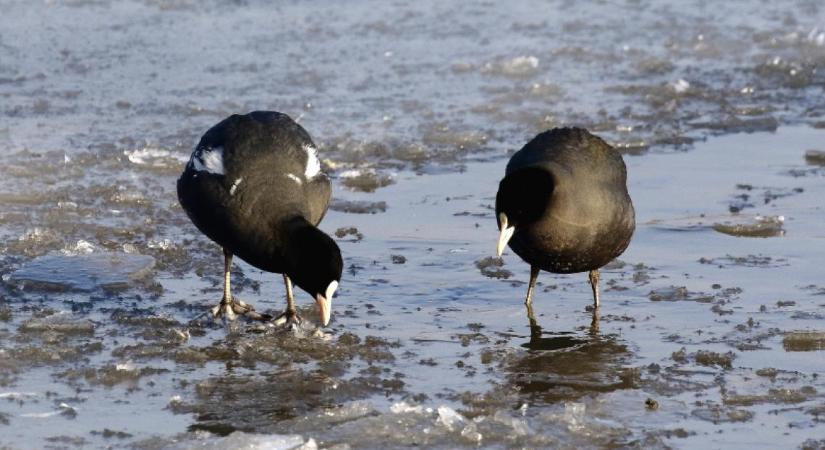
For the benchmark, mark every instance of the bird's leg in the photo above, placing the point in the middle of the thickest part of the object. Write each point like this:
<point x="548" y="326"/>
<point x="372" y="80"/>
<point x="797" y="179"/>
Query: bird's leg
<point x="229" y="307"/>
<point x="289" y="317"/>
<point x="594" y="283"/>
<point x="528" y="302"/>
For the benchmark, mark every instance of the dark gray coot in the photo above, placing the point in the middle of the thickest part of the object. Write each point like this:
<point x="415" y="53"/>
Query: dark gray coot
<point x="254" y="185"/>
<point x="563" y="206"/>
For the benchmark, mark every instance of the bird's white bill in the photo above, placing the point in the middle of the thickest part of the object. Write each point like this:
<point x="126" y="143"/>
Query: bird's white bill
<point x="325" y="303"/>
<point x="504" y="238"/>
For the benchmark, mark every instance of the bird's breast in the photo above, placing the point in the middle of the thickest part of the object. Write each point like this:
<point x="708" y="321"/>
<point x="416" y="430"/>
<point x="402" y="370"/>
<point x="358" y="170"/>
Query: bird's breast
<point x="577" y="234"/>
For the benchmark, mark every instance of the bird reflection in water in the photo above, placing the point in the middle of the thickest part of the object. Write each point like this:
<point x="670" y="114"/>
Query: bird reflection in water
<point x="559" y="366"/>
<point x="535" y="328"/>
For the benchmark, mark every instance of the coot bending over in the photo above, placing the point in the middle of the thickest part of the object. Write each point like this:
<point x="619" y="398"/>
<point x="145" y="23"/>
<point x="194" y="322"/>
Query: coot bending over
<point x="254" y="186"/>
<point x="563" y="206"/>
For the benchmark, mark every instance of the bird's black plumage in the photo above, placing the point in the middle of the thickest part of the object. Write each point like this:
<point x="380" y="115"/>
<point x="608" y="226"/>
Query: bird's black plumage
<point x="565" y="196"/>
<point x="254" y="186"/>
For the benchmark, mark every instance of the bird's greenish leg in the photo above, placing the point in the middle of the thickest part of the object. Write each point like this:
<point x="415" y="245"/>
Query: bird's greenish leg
<point x="594" y="283"/>
<point x="289" y="317"/>
<point x="230" y="307"/>
<point x="528" y="302"/>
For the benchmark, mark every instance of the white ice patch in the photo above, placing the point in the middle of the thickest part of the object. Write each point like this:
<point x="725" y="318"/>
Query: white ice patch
<point x="680" y="86"/>
<point x="64" y="409"/>
<point x="294" y="178"/>
<point x="403" y="407"/>
<point x="249" y="441"/>
<point x="573" y="416"/>
<point x="164" y="244"/>
<point x="209" y="160"/>
<point x="235" y="186"/>
<point x="81" y="247"/>
<point x="449" y="417"/>
<point x="154" y="157"/>
<point x="125" y="367"/>
<point x="817" y="37"/>
<point x="515" y="67"/>
<point x="18" y="395"/>
<point x="313" y="165"/>
<point x="40" y="415"/>
<point x="354" y="173"/>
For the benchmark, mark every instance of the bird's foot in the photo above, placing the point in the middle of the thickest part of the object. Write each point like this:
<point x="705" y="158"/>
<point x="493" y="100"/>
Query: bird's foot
<point x="234" y="307"/>
<point x="289" y="319"/>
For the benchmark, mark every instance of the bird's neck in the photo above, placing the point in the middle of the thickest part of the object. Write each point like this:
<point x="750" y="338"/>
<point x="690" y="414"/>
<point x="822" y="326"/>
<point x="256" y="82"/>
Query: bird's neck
<point x="296" y="236"/>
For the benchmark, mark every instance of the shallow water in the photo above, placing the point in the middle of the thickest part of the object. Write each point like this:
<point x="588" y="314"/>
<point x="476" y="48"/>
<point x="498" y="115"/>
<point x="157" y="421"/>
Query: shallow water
<point x="710" y="334"/>
<point x="722" y="333"/>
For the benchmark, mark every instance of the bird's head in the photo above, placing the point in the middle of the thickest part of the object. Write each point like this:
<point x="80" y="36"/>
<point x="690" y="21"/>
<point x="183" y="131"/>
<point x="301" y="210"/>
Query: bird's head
<point x="523" y="197"/>
<point x="314" y="265"/>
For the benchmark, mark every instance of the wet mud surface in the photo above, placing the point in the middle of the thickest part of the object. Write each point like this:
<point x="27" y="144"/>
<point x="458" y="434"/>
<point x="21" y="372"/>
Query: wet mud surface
<point x="711" y="330"/>
<point x="705" y="338"/>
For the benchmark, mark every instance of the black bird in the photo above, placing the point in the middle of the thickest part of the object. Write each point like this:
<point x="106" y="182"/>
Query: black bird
<point x="254" y="186"/>
<point x="563" y="206"/>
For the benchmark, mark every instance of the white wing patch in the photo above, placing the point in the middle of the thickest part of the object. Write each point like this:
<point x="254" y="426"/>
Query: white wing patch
<point x="235" y="186"/>
<point x="294" y="178"/>
<point x="208" y="160"/>
<point x="313" y="165"/>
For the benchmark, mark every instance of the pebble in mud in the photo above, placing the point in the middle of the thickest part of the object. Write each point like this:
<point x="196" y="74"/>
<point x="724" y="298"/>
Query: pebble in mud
<point x="753" y="196"/>
<point x="108" y="434"/>
<point x="815" y="157"/>
<point x="358" y="206"/>
<point x="343" y="232"/>
<point x="111" y="374"/>
<point x="64" y="324"/>
<point x="709" y="358"/>
<point x="760" y="227"/>
<point x="737" y="224"/>
<point x="745" y="261"/>
<point x="813" y="444"/>
<point x="719" y="414"/>
<point x="705" y="358"/>
<point x="779" y="396"/>
<point x="492" y="267"/>
<point x="678" y="293"/>
<point x="804" y="341"/>
<point x="365" y="180"/>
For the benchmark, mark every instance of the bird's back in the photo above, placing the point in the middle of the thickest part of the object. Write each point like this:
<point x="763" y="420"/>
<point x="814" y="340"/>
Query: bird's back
<point x="261" y="144"/>
<point x="248" y="173"/>
<point x="585" y="156"/>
